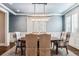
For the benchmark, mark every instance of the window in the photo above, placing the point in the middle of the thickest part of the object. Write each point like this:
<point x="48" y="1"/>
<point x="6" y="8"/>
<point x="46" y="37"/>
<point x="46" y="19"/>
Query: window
<point x="74" y="22"/>
<point x="71" y="23"/>
<point x="68" y="23"/>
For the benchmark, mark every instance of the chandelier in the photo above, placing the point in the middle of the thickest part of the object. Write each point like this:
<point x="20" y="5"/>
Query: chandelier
<point x="39" y="17"/>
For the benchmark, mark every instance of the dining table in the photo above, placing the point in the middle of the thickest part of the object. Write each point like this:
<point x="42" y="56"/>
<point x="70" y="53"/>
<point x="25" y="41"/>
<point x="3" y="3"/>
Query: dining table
<point x="54" y="40"/>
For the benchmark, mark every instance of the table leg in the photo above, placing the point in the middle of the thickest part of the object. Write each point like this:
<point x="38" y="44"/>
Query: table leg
<point x="56" y="47"/>
<point x="37" y="48"/>
<point x="51" y="44"/>
<point x="21" y="48"/>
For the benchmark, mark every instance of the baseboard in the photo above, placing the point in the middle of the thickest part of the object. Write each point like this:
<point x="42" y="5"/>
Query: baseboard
<point x="74" y="47"/>
<point x="2" y="44"/>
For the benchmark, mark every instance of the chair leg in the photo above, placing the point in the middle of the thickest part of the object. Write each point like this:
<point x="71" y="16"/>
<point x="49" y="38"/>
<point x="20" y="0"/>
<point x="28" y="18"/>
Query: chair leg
<point x="53" y="46"/>
<point x="22" y="51"/>
<point x="67" y="50"/>
<point x="16" y="50"/>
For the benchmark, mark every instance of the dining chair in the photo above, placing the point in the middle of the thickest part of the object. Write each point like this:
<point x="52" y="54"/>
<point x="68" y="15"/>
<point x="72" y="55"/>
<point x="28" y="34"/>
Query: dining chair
<point x="44" y="44"/>
<point x="61" y="38"/>
<point x="31" y="44"/>
<point x="65" y="40"/>
<point x="20" y="44"/>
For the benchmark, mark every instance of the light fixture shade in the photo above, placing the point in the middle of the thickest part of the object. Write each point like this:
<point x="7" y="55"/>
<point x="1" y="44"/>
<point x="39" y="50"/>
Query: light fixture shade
<point x="39" y="18"/>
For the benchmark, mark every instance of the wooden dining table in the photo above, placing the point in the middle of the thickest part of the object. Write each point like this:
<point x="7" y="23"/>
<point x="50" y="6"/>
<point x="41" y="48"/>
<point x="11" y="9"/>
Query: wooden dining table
<point x="53" y="40"/>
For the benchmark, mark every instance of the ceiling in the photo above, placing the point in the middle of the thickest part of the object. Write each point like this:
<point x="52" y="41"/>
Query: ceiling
<point x="54" y="8"/>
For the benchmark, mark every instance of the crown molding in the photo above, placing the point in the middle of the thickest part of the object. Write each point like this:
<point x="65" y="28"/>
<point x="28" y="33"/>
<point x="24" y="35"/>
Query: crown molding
<point x="8" y="9"/>
<point x="38" y="14"/>
<point x="72" y="7"/>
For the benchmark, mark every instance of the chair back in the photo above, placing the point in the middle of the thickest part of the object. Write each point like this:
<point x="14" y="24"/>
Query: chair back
<point x="44" y="44"/>
<point x="67" y="36"/>
<point x="44" y="40"/>
<point x="63" y="36"/>
<point x="17" y="41"/>
<point x="31" y="41"/>
<point x="18" y="35"/>
<point x="31" y="44"/>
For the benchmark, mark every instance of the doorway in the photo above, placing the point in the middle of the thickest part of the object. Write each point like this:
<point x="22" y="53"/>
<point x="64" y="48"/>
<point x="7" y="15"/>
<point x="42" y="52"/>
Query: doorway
<point x="2" y="27"/>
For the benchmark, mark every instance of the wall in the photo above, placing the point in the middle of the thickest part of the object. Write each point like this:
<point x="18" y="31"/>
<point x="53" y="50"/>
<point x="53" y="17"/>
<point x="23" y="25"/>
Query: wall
<point x="17" y="23"/>
<point x="74" y="40"/>
<point x="63" y="23"/>
<point x="54" y="24"/>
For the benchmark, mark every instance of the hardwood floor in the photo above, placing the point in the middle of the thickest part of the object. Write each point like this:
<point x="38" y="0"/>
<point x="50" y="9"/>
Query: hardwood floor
<point x="74" y="50"/>
<point x="3" y="49"/>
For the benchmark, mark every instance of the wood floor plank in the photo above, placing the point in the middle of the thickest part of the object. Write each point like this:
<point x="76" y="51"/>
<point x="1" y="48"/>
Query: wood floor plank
<point x="3" y="49"/>
<point x="74" y="50"/>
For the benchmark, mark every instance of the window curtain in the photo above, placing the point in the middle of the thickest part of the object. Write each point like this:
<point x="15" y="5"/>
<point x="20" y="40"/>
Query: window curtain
<point x="36" y="26"/>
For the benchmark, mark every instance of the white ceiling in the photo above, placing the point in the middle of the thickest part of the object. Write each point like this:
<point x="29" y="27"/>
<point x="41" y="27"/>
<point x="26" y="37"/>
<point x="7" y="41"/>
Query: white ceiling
<point x="55" y="8"/>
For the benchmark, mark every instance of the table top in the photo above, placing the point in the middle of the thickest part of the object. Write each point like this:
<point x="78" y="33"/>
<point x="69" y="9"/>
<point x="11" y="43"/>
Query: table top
<point x="52" y="39"/>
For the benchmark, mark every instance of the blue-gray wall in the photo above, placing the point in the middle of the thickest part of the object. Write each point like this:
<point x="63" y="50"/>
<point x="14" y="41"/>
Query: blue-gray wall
<point x="54" y="24"/>
<point x="18" y="23"/>
<point x="63" y="23"/>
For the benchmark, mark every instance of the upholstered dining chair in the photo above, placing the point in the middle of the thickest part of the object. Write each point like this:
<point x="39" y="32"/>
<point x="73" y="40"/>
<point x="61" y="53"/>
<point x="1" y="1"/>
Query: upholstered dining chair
<point x="65" y="40"/>
<point x="61" y="38"/>
<point x="44" y="44"/>
<point x="19" y="43"/>
<point x="31" y="44"/>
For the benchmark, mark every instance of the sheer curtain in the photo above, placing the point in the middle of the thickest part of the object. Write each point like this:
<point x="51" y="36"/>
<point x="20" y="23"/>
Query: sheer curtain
<point x="68" y="24"/>
<point x="42" y="26"/>
<point x="74" y="22"/>
<point x="37" y="25"/>
<point x="71" y="23"/>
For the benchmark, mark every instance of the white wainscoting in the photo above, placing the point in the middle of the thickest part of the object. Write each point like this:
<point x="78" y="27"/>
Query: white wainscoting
<point x="74" y="40"/>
